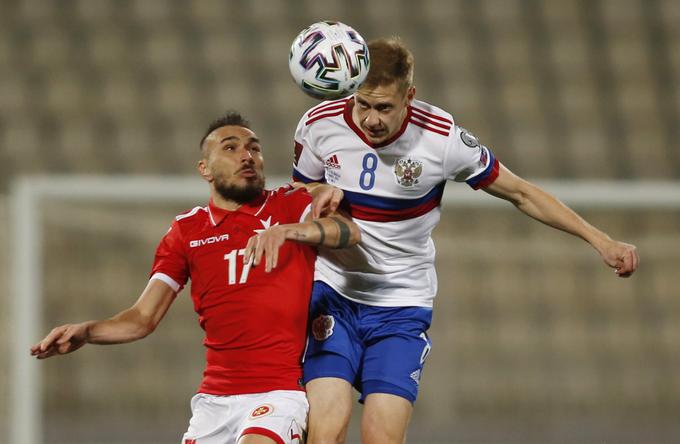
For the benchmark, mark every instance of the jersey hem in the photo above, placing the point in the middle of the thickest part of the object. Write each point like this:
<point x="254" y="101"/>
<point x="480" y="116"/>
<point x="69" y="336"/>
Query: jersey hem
<point x="204" y="391"/>
<point x="371" y="303"/>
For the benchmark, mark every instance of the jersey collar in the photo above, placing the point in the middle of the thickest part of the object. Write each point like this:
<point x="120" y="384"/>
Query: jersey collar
<point x="348" y="119"/>
<point x="253" y="208"/>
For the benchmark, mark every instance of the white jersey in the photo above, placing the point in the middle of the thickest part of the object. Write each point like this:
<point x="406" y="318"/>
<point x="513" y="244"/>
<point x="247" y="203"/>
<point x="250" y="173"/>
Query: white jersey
<point x="393" y="191"/>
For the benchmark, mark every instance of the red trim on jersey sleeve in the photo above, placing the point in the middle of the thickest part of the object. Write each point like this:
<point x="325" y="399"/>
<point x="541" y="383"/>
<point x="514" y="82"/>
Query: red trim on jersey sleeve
<point x="431" y="122"/>
<point x="429" y="128"/>
<point x="171" y="257"/>
<point x="433" y="116"/>
<point x="491" y="177"/>
<point x="334" y="107"/>
<point x="323" y="116"/>
<point x="325" y="106"/>
<point x="264" y="432"/>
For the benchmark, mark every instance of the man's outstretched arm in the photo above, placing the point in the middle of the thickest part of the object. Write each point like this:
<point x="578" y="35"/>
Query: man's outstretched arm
<point x="545" y="208"/>
<point x="129" y="325"/>
<point x="332" y="231"/>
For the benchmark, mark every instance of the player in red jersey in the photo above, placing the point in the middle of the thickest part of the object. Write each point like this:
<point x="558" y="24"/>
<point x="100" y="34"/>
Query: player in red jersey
<point x="249" y="286"/>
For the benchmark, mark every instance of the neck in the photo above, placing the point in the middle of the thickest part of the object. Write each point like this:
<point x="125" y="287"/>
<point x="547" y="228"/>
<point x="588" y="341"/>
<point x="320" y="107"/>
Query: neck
<point x="221" y="202"/>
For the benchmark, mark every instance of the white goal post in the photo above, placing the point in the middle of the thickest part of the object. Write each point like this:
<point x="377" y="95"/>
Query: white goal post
<point x="26" y="291"/>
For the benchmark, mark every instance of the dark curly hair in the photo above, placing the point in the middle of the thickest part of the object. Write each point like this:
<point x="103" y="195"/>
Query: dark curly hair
<point x="231" y="118"/>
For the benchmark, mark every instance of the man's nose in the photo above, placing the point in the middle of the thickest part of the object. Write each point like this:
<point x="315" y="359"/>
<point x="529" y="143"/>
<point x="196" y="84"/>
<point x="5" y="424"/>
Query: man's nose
<point x="246" y="155"/>
<point x="372" y="118"/>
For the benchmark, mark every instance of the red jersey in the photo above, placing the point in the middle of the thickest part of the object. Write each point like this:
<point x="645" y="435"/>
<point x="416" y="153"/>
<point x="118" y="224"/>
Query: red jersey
<point x="255" y="322"/>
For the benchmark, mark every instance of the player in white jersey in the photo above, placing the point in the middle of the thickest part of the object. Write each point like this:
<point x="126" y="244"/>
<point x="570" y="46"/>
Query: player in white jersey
<point x="387" y="157"/>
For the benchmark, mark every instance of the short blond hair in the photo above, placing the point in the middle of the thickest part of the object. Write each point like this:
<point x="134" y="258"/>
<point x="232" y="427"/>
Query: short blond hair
<point x="391" y="61"/>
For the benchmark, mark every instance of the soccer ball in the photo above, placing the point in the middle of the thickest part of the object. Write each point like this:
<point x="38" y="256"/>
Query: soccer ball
<point x="329" y="60"/>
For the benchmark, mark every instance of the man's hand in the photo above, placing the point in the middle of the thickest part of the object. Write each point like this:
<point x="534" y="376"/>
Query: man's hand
<point x="621" y="257"/>
<point x="325" y="199"/>
<point x="61" y="340"/>
<point x="266" y="243"/>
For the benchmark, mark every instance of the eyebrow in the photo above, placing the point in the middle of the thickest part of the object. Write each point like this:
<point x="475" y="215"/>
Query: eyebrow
<point x="375" y="105"/>
<point x="234" y="138"/>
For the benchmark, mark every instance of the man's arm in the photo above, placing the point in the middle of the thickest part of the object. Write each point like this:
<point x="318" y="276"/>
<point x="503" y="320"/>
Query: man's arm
<point x="325" y="198"/>
<point x="545" y="208"/>
<point x="129" y="325"/>
<point x="333" y="231"/>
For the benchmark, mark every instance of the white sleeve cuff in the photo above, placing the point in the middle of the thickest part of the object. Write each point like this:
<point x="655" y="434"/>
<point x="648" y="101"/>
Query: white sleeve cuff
<point x="167" y="279"/>
<point x="305" y="213"/>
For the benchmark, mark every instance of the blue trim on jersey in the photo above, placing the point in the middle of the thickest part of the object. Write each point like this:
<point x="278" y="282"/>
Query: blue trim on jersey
<point x="474" y="181"/>
<point x="304" y="179"/>
<point x="391" y="203"/>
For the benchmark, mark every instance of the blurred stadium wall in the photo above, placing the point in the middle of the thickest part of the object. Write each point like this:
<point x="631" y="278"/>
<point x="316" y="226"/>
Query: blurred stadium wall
<point x="534" y="339"/>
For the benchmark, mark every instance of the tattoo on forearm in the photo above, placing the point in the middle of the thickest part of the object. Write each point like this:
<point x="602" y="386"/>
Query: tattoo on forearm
<point x="322" y="232"/>
<point x="344" y="232"/>
<point x="299" y="236"/>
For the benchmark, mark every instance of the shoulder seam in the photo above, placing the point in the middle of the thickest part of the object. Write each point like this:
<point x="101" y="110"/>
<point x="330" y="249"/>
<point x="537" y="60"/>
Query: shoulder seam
<point x="432" y="115"/>
<point x="324" y="106"/>
<point x="334" y="113"/>
<point x="192" y="212"/>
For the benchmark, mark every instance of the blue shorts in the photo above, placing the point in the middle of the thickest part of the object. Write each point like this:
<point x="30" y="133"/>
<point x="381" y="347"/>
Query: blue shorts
<point x="376" y="349"/>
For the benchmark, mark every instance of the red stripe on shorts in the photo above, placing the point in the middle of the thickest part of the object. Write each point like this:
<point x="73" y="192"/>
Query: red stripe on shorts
<point x="264" y="432"/>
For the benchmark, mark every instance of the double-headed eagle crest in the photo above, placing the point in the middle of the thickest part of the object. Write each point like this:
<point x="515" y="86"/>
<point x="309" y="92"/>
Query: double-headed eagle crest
<point x="408" y="171"/>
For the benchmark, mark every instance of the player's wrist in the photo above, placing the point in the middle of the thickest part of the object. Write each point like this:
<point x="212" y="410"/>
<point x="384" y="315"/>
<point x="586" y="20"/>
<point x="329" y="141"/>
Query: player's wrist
<point x="88" y="326"/>
<point x="600" y="241"/>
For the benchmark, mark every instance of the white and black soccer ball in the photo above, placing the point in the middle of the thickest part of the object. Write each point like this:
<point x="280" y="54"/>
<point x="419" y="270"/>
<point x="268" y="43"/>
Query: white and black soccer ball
<point x="329" y="60"/>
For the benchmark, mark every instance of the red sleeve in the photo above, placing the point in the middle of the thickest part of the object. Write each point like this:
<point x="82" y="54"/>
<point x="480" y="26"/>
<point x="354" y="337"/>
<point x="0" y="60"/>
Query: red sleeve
<point x="298" y="203"/>
<point x="170" y="264"/>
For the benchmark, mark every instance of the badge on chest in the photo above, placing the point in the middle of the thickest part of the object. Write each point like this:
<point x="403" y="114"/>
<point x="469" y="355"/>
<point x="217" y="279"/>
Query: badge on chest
<point x="407" y="171"/>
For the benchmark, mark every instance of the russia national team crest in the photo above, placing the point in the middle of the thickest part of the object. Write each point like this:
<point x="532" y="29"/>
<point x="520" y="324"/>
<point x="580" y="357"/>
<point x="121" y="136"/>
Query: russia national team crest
<point x="263" y="410"/>
<point x="407" y="171"/>
<point x="322" y="327"/>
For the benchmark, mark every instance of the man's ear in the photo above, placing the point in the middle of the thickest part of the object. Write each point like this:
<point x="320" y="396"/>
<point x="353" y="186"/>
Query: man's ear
<point x="410" y="94"/>
<point x="204" y="170"/>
